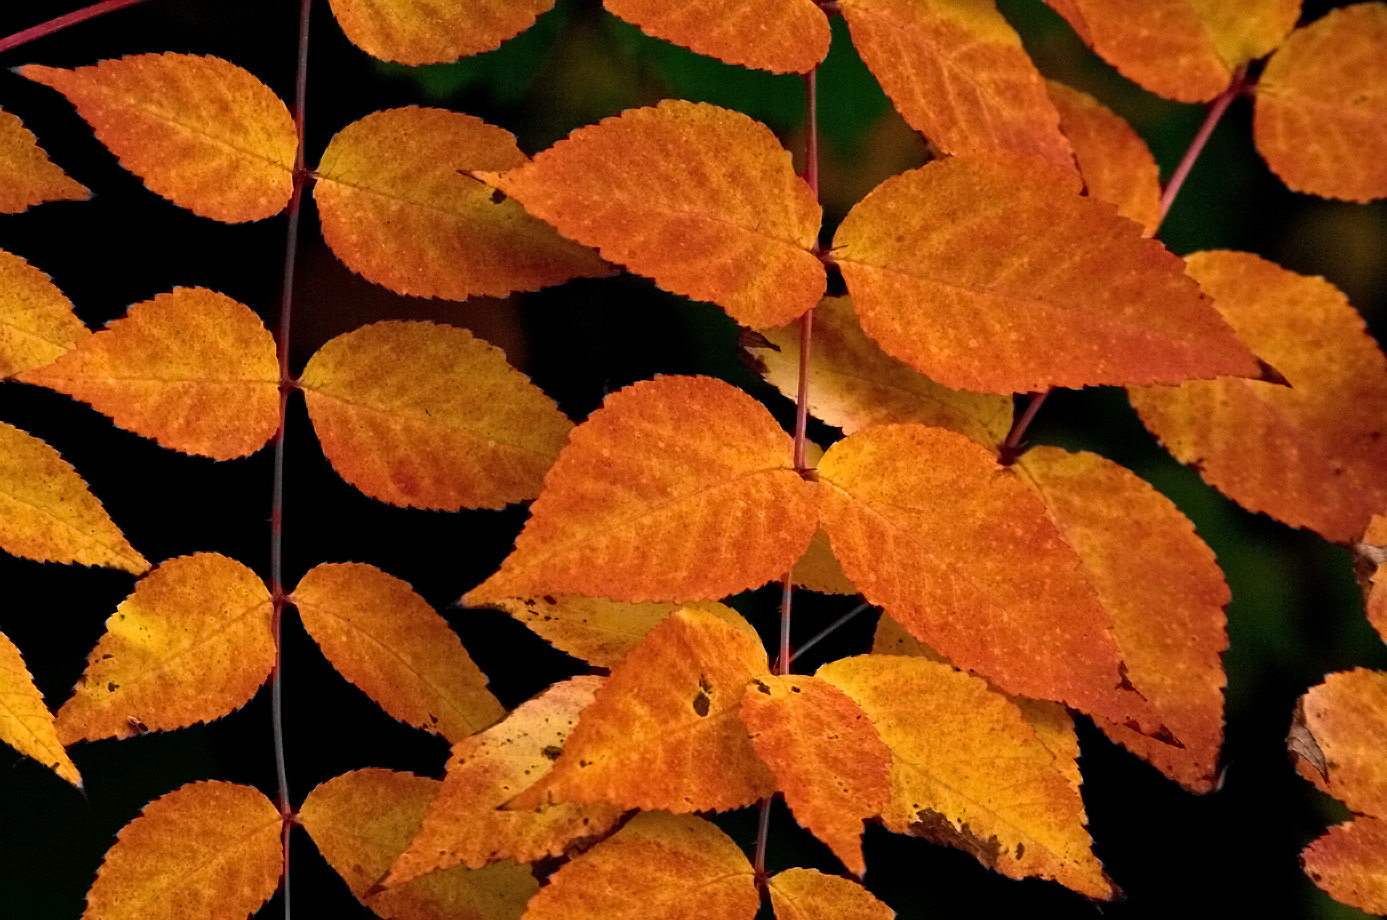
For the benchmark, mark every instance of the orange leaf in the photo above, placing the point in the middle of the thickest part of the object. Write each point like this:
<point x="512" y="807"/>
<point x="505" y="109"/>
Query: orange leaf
<point x="825" y="756"/>
<point x="703" y="200"/>
<point x="433" y="31"/>
<point x="994" y="274"/>
<point x="25" y="722"/>
<point x="37" y="323"/>
<point x="360" y="822"/>
<point x="192" y="369"/>
<point x="1321" y="115"/>
<point x="192" y="643"/>
<point x="399" y="207"/>
<point x="783" y="36"/>
<point x="199" y="131"/>
<point x="466" y="823"/>
<point x="27" y="176"/>
<point x="807" y="894"/>
<point x="1168" y="619"/>
<point x="1312" y="454"/>
<point x="1350" y="864"/>
<point x="664" y="731"/>
<point x="47" y="513"/>
<point x="928" y="526"/>
<point x="1114" y="161"/>
<point x="818" y="570"/>
<point x="657" y="867"/>
<point x="428" y="416"/>
<point x="1346" y="717"/>
<point x="383" y="637"/>
<point x="211" y="848"/>
<point x="676" y="468"/>
<point x="1377" y="603"/>
<point x="958" y="74"/>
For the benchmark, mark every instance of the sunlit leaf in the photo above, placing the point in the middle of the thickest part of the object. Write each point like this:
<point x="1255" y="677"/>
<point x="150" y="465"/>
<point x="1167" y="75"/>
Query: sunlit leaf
<point x="37" y="323"/>
<point x="25" y="722"/>
<point x="200" y="131"/>
<point x="1350" y="864"/>
<point x="27" y="176"/>
<point x="1346" y="716"/>
<point x="784" y="36"/>
<point x="807" y="894"/>
<point x="433" y="31"/>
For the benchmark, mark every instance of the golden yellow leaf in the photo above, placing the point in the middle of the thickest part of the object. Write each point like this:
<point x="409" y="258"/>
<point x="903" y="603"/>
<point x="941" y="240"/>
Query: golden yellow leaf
<point x="782" y="36"/>
<point x="818" y="570"/>
<point x="199" y="131"/>
<point x="967" y="771"/>
<point x="37" y="323"/>
<point x="210" y="849"/>
<point x="191" y="369"/>
<point x="429" y="416"/>
<point x="400" y="207"/>
<point x="807" y="894"/>
<point x="1312" y="454"/>
<point x="466" y="823"/>
<point x="191" y="643"/>
<point x="47" y="513"/>
<point x="994" y="274"/>
<point x="1346" y="716"/>
<point x="677" y="489"/>
<point x="433" y="31"/>
<point x="383" y="637"/>
<point x="361" y="821"/>
<point x="25" y="722"/>
<point x="701" y="199"/>
<point x="1350" y="864"/>
<point x="657" y="867"/>
<point x="27" y="176"/>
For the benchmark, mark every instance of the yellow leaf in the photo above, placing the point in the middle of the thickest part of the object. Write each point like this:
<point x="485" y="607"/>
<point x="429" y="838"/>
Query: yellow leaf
<point x="192" y="369"/>
<point x="27" y="176"/>
<point x="399" y="206"/>
<point x="1346" y="716"/>
<point x="1350" y="864"/>
<point x="37" y="323"/>
<point x="782" y="36"/>
<point x="807" y="894"/>
<point x="200" y="131"/>
<point x="47" y="512"/>
<point x="25" y="722"/>
<point x="433" y="31"/>
<point x="191" y="643"/>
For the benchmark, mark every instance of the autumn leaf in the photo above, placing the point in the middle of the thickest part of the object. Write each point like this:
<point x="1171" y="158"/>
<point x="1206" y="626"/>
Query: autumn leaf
<point x="818" y="569"/>
<point x="192" y="369"/>
<point x="360" y="822"/>
<point x="1350" y="864"/>
<point x="466" y="823"/>
<point x="27" y="176"/>
<point x="657" y="867"/>
<point x="37" y="323"/>
<point x="399" y="207"/>
<point x="1346" y="716"/>
<point x="968" y="772"/>
<point x="701" y="199"/>
<point x="807" y="894"/>
<point x="959" y="75"/>
<point x="1312" y="454"/>
<point x="211" y="848"/>
<point x="25" y="722"/>
<point x="664" y="731"/>
<point x="429" y="416"/>
<point x="48" y="514"/>
<point x="782" y="36"/>
<point x="199" y="131"/>
<point x="676" y="489"/>
<point x="386" y="639"/>
<point x="994" y="274"/>
<point x="433" y="31"/>
<point x="192" y="643"/>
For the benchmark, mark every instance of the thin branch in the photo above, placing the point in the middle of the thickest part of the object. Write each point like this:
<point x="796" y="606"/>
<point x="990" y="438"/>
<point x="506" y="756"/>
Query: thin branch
<point x="1212" y="117"/>
<point x="62" y="22"/>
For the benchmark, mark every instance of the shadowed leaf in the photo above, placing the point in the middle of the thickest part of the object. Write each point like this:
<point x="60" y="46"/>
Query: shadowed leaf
<point x="1114" y="161"/>
<point x="27" y="176"/>
<point x="25" y="722"/>
<point x="37" y="323"/>
<point x="807" y="894"/>
<point x="783" y="36"/>
<point x="818" y="569"/>
<point x="433" y="31"/>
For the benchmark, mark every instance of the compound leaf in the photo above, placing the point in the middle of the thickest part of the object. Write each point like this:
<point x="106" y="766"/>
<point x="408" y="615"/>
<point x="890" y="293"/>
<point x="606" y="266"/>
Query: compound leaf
<point x="25" y="722"/>
<point x="27" y="176"/>
<point x="433" y="31"/>
<point x="782" y="36"/>
<point x="37" y="323"/>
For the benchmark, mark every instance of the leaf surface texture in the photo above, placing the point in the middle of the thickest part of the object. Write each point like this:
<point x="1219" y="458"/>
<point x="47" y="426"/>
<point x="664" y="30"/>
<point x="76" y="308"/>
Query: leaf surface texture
<point x="27" y="176"/>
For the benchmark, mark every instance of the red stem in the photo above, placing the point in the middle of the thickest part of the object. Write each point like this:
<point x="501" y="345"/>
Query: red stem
<point x="62" y="22"/>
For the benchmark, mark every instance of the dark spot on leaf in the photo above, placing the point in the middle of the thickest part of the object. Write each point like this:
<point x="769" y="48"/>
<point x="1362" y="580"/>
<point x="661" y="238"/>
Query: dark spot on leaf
<point x="111" y="687"/>
<point x="701" y="704"/>
<point x="1124" y="682"/>
<point x="794" y="690"/>
<point x="552" y="751"/>
<point x="549" y="599"/>
<point x="107" y="657"/>
<point x="761" y="686"/>
<point x="703" y="684"/>
<point x="497" y="196"/>
<point x="1020" y="850"/>
<point x="934" y="827"/>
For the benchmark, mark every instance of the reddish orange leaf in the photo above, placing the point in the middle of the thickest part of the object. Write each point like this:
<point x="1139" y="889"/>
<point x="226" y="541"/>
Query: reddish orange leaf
<point x="664" y="731"/>
<point x="657" y="867"/>
<point x="783" y="36"/>
<point x="1312" y="454"/>
<point x="1350" y="864"/>
<point x="1168" y="619"/>
<point x="25" y="722"/>
<point x="192" y="369"/>
<point x="433" y="31"/>
<point x="211" y="848"/>
<point x="703" y="200"/>
<point x="1321" y="115"/>
<point x="959" y="76"/>
<point x="1037" y="287"/>
<point x="1346" y="717"/>
<point x="428" y="416"/>
<point x="199" y="131"/>
<point x="37" y="323"/>
<point x="361" y="821"/>
<point x="807" y="894"/>
<point x="27" y="176"/>
<point x="399" y="207"/>
<point x="968" y="772"/>
<point x="676" y="468"/>
<point x="47" y="513"/>
<point x="467" y="825"/>
<point x="192" y="643"/>
<point x="825" y="756"/>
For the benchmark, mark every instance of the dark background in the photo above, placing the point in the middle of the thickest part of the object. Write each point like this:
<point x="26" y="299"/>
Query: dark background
<point x="1296" y="614"/>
